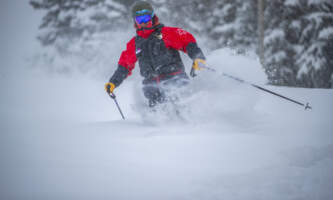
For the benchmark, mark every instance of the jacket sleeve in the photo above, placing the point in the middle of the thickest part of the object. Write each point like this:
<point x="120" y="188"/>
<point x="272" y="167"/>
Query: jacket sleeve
<point x="126" y="64"/>
<point x="180" y="39"/>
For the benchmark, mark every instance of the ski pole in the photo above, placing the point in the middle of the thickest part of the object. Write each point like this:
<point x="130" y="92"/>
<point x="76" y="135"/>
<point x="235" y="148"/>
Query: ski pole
<point x="113" y="96"/>
<point x="306" y="106"/>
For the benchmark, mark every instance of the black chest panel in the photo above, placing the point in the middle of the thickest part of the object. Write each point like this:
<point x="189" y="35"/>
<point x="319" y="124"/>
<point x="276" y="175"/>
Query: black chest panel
<point x="155" y="58"/>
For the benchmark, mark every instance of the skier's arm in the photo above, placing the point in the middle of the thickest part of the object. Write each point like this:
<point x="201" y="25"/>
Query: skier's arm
<point x="180" y="39"/>
<point x="126" y="64"/>
<point x="119" y="75"/>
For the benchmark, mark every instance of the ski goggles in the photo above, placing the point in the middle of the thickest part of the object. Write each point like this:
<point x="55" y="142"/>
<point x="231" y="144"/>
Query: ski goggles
<point x="143" y="16"/>
<point x="143" y="19"/>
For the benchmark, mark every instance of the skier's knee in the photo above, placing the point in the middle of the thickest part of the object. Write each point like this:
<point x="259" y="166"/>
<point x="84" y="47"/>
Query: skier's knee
<point x="153" y="94"/>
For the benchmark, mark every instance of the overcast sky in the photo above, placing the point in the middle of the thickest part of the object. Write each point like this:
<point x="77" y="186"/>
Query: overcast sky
<point x="19" y="25"/>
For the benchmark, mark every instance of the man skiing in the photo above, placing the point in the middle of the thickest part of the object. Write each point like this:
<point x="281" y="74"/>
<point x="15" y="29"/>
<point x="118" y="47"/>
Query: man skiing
<point x="156" y="48"/>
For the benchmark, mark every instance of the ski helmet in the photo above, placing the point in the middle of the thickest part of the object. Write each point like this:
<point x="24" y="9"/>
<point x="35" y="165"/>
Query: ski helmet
<point x="142" y="8"/>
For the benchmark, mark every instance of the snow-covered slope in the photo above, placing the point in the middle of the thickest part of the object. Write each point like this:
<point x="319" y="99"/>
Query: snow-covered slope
<point x="63" y="138"/>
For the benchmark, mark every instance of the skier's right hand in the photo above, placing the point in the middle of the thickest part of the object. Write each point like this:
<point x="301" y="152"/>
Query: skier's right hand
<point x="109" y="87"/>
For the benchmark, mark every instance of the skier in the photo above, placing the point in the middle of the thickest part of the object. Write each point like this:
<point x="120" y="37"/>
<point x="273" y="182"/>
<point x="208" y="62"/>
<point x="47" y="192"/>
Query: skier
<point x="156" y="48"/>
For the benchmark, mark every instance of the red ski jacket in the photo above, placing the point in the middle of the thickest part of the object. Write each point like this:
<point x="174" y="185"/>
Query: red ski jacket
<point x="156" y="50"/>
<point x="175" y="38"/>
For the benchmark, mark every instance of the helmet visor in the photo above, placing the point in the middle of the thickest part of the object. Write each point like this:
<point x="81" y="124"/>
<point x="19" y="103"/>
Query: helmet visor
<point x="143" y="19"/>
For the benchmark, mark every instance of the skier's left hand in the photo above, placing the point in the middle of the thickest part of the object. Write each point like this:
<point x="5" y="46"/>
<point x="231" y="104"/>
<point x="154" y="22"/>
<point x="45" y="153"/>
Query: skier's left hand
<point x="198" y="64"/>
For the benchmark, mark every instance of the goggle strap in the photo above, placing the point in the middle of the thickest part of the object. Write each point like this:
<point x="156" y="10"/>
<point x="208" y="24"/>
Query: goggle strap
<point x="141" y="12"/>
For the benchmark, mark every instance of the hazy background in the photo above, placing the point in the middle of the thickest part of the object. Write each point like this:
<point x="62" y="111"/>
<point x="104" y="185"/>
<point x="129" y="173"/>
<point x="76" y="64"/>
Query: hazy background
<point x="292" y="38"/>
<point x="19" y="26"/>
